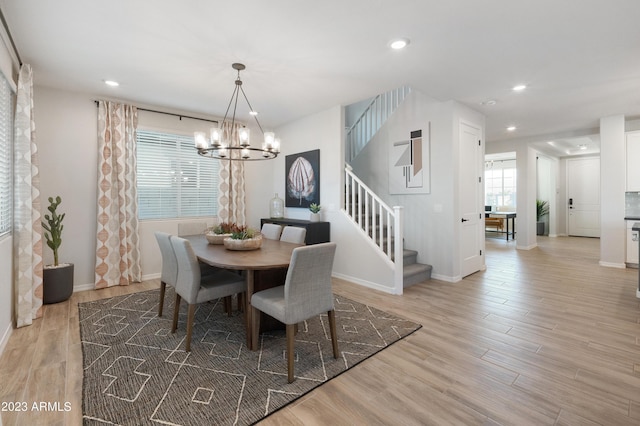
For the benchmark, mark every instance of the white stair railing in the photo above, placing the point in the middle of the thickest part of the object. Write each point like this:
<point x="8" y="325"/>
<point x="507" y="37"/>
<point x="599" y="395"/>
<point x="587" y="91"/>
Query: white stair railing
<point x="377" y="221"/>
<point x="373" y="117"/>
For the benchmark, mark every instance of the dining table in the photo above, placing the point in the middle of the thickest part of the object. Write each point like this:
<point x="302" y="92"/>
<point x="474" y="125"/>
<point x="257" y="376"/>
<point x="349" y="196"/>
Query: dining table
<point x="272" y="254"/>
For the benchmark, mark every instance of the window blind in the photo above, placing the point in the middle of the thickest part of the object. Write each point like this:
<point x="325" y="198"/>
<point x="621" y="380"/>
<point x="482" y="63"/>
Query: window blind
<point x="173" y="180"/>
<point x="6" y="142"/>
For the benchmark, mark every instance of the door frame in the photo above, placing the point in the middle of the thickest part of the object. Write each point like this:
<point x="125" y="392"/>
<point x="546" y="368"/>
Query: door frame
<point x="480" y="152"/>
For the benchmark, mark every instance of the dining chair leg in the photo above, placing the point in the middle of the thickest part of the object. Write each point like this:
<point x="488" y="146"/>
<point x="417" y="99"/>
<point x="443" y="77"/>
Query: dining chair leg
<point x="241" y="297"/>
<point x="163" y="286"/>
<point x="228" y="308"/>
<point x="334" y="336"/>
<point x="255" y="325"/>
<point x="190" y="316"/>
<point x="290" y="353"/>
<point x="176" y="313"/>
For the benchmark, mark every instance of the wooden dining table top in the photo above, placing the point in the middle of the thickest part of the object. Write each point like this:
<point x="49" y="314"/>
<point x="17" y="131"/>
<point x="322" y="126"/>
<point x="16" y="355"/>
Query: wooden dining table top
<point x="272" y="254"/>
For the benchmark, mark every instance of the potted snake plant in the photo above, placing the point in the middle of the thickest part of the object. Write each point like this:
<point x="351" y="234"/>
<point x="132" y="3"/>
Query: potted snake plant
<point x="57" y="278"/>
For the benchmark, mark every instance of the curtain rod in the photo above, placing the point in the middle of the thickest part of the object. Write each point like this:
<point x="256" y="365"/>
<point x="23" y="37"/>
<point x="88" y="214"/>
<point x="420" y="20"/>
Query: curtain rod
<point x="180" y="116"/>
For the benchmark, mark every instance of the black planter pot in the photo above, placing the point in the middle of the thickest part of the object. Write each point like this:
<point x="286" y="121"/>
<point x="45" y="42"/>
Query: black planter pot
<point x="57" y="283"/>
<point x="539" y="228"/>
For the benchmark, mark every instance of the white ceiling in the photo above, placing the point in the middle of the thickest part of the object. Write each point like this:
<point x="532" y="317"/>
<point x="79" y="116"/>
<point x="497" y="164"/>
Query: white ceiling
<point x="579" y="58"/>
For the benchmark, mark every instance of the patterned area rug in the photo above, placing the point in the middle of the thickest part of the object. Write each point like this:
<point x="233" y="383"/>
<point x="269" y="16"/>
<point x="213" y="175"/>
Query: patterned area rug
<point x="137" y="373"/>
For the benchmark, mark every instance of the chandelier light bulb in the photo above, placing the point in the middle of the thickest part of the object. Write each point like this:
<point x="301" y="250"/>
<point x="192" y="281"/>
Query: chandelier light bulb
<point x="201" y="140"/>
<point x="243" y="135"/>
<point x="216" y="136"/>
<point x="269" y="137"/>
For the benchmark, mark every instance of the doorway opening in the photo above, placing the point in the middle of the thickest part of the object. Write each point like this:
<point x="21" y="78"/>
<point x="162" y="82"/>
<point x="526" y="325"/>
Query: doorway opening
<point x="500" y="199"/>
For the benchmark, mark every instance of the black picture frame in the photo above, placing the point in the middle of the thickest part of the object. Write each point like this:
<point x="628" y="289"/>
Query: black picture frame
<point x="302" y="179"/>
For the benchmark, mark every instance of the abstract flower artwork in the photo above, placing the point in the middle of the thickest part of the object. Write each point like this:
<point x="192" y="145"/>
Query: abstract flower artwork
<point x="302" y="174"/>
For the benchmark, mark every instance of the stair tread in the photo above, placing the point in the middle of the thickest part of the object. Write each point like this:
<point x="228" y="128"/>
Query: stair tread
<point x="416" y="268"/>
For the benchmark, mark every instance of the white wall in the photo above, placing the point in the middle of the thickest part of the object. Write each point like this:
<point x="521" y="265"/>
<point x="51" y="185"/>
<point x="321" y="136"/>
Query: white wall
<point x="612" y="188"/>
<point x="66" y="134"/>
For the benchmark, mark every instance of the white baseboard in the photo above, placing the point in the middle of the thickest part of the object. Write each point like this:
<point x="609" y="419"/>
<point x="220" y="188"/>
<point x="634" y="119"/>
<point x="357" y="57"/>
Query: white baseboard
<point x="92" y="286"/>
<point x="151" y="277"/>
<point x="446" y="278"/>
<point x="532" y="246"/>
<point x="5" y="337"/>
<point x="613" y="265"/>
<point x="84" y="287"/>
<point x="364" y="283"/>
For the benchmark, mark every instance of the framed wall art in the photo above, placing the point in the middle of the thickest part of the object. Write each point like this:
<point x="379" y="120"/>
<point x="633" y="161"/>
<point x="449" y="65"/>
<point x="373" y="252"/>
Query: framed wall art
<point x="409" y="164"/>
<point x="302" y="179"/>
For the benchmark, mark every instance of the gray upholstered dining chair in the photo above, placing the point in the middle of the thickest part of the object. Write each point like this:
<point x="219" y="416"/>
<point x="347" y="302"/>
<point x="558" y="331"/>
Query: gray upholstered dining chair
<point x="196" y="289"/>
<point x="306" y="293"/>
<point x="293" y="234"/>
<point x="271" y="231"/>
<point x="169" y="272"/>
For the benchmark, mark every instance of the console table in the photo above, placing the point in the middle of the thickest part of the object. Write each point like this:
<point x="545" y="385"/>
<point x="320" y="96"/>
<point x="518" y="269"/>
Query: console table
<point x="317" y="232"/>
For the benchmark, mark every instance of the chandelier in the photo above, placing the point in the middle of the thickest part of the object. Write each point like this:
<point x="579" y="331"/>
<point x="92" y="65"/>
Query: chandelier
<point x="219" y="144"/>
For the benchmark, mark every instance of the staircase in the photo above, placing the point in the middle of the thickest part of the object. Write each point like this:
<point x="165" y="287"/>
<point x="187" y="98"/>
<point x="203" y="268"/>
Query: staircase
<point x="373" y="117"/>
<point x="383" y="226"/>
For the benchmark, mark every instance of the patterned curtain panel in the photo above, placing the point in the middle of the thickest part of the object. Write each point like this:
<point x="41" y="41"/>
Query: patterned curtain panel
<point x="118" y="247"/>
<point x="231" y="195"/>
<point x="27" y="233"/>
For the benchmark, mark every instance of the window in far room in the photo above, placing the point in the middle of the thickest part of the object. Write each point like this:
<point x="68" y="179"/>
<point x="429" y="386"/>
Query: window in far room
<point x="500" y="183"/>
<point x="173" y="180"/>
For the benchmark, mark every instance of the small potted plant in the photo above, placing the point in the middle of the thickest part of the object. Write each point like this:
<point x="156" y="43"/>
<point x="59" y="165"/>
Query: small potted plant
<point x="315" y="212"/>
<point x="217" y="234"/>
<point x="243" y="238"/>
<point x="57" y="279"/>
<point x="542" y="209"/>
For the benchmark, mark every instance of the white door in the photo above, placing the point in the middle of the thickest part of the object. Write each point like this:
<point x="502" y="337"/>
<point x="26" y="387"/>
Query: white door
<point x="471" y="202"/>
<point x="583" y="196"/>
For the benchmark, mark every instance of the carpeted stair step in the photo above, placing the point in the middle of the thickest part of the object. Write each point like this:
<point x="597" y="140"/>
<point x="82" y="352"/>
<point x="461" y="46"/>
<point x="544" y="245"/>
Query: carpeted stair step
<point x="408" y="257"/>
<point x="416" y="273"/>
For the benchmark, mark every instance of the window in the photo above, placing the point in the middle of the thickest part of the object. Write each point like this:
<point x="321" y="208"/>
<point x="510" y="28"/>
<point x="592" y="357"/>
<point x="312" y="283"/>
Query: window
<point x="173" y="180"/>
<point x="500" y="183"/>
<point x="6" y="143"/>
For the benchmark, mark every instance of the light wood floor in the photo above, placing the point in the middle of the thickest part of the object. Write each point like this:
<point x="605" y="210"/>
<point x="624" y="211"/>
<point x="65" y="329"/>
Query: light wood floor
<point x="544" y="336"/>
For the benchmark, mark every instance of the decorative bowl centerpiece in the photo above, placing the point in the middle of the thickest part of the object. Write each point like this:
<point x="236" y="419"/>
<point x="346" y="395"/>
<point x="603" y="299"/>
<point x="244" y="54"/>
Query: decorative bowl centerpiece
<point x="243" y="238"/>
<point x="217" y="234"/>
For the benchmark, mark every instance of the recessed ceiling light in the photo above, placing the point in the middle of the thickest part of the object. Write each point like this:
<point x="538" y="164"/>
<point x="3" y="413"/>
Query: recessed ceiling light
<point x="519" y="88"/>
<point x="400" y="43"/>
<point x="111" y="83"/>
<point x="254" y="113"/>
<point x="511" y="128"/>
<point x="490" y="102"/>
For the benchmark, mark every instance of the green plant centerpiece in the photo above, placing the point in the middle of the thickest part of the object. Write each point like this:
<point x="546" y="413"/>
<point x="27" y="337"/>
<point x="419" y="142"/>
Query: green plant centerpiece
<point x="217" y="234"/>
<point x="57" y="279"/>
<point x="243" y="238"/>
<point x="542" y="210"/>
<point x="315" y="212"/>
